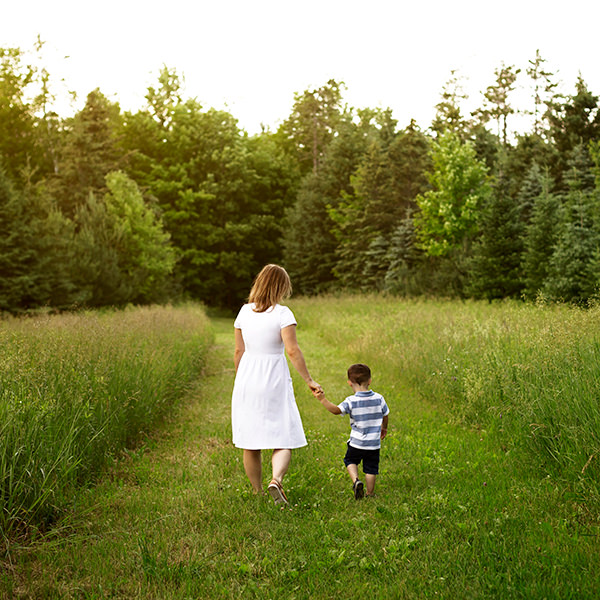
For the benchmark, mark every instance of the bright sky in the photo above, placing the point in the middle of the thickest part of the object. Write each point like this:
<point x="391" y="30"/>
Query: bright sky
<point x="250" y="57"/>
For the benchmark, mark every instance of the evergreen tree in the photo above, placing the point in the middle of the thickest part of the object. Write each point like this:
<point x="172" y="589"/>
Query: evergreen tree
<point x="495" y="265"/>
<point x="404" y="260"/>
<point x="89" y="152"/>
<point x="309" y="247"/>
<point x="574" y="122"/>
<point x="496" y="103"/>
<point x="571" y="276"/>
<point x="448" y="116"/>
<point x="544" y="92"/>
<point x="541" y="232"/>
<point x="385" y="186"/>
<point x="311" y="237"/>
<point x="312" y="125"/>
<point x="17" y="249"/>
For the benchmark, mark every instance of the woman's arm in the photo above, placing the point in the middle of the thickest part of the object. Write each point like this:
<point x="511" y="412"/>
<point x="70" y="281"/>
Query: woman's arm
<point x="240" y="348"/>
<point x="288" y="334"/>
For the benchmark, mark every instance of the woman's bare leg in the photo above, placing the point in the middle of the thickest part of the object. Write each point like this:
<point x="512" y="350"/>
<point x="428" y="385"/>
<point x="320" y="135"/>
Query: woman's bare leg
<point x="281" y="462"/>
<point x="253" y="467"/>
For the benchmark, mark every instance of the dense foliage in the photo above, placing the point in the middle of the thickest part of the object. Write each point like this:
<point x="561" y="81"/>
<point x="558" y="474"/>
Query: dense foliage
<point x="108" y="207"/>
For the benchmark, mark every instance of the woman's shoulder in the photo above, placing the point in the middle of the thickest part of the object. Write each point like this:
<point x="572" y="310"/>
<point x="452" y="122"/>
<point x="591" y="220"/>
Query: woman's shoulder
<point x="286" y="316"/>
<point x="242" y="313"/>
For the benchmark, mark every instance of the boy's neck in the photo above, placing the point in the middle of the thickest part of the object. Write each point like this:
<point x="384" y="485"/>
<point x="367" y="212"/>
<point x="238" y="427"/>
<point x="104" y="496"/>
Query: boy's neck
<point x="360" y="388"/>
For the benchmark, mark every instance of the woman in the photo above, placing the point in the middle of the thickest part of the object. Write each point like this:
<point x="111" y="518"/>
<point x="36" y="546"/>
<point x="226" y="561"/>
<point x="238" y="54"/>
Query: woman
<point x="263" y="409"/>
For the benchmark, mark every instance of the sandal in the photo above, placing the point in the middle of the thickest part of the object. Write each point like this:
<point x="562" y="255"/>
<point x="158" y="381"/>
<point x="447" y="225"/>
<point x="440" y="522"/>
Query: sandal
<point x="277" y="492"/>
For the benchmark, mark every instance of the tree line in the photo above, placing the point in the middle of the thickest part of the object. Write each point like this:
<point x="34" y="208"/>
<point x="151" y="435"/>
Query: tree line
<point x="109" y="207"/>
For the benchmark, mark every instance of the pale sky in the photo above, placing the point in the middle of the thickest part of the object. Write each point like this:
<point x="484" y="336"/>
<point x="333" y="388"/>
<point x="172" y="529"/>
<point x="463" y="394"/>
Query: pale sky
<point x="250" y="57"/>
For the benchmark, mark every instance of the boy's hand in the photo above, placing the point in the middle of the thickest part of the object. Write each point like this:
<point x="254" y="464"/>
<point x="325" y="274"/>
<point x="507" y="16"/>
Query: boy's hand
<point x="319" y="394"/>
<point x="383" y="432"/>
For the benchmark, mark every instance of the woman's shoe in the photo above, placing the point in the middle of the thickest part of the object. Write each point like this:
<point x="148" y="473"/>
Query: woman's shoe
<point x="277" y="492"/>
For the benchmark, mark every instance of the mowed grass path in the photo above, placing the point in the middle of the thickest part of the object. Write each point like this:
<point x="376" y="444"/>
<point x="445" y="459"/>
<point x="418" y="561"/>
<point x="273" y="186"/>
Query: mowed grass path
<point x="457" y="516"/>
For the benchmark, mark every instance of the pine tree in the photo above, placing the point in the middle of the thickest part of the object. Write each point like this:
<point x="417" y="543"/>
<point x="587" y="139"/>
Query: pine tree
<point x="541" y="231"/>
<point x="448" y="116"/>
<point x="570" y="276"/>
<point x="495" y="266"/>
<point x="89" y="152"/>
<point x="17" y="249"/>
<point x="496" y="104"/>
<point x="405" y="261"/>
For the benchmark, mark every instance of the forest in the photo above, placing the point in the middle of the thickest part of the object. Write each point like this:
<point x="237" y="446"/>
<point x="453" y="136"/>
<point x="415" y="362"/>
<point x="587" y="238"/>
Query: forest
<point x="175" y="201"/>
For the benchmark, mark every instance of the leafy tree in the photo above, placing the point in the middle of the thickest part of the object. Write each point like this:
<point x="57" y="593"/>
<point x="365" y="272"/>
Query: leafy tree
<point x="149" y="257"/>
<point x="19" y="145"/>
<point x="124" y="253"/>
<point x="447" y="217"/>
<point x="165" y="98"/>
<point x="223" y="197"/>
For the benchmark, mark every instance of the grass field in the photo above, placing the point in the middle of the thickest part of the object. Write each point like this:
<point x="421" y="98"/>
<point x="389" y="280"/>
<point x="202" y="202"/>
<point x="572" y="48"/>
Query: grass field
<point x="77" y="388"/>
<point x="475" y="499"/>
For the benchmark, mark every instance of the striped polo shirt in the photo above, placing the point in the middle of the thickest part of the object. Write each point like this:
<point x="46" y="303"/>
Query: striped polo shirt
<point x="366" y="410"/>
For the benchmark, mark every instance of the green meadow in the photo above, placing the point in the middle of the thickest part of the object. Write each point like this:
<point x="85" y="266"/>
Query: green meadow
<point x="489" y="475"/>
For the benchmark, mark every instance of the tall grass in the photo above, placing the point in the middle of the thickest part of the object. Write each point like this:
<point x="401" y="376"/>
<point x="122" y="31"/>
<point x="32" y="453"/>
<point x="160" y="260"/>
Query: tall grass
<point x="76" y="388"/>
<point x="530" y="372"/>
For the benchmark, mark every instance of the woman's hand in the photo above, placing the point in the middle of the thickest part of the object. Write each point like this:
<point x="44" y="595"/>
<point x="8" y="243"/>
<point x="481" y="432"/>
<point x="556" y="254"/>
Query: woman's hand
<point x="314" y="386"/>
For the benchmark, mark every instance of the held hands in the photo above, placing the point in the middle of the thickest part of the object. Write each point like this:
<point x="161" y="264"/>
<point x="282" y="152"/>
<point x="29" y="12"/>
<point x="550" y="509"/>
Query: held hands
<point x="319" y="394"/>
<point x="314" y="387"/>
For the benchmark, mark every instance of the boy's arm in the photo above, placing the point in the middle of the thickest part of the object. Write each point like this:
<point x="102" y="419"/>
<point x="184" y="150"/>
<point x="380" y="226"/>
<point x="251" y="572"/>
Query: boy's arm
<point x="384" y="427"/>
<point x="332" y="408"/>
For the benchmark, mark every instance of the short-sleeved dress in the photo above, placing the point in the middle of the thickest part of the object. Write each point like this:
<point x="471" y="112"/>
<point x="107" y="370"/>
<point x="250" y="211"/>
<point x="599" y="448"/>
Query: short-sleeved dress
<point x="264" y="413"/>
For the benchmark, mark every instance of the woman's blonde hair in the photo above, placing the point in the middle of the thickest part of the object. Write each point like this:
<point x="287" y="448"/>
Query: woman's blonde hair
<point x="271" y="286"/>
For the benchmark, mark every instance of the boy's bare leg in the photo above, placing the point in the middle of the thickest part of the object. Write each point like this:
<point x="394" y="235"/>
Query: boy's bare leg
<point x="353" y="472"/>
<point x="370" y="479"/>
<point x="253" y="467"/>
<point x="281" y="462"/>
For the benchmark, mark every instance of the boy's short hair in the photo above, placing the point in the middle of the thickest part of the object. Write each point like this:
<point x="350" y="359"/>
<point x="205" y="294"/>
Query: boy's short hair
<point x="359" y="373"/>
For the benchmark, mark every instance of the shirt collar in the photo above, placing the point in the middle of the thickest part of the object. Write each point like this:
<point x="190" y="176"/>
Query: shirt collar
<point x="364" y="394"/>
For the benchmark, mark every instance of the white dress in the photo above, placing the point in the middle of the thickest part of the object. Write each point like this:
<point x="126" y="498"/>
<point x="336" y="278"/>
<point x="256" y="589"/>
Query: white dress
<point x="264" y="413"/>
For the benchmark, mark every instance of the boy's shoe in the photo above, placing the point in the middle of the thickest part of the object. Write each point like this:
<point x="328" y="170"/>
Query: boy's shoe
<point x="277" y="492"/>
<point x="359" y="489"/>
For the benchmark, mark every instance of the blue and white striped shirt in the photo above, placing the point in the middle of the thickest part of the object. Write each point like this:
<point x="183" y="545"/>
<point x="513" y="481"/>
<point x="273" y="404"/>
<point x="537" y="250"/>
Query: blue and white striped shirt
<point x="366" y="410"/>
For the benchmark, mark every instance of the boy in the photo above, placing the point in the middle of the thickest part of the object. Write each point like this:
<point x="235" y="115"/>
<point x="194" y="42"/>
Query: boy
<point x="368" y="421"/>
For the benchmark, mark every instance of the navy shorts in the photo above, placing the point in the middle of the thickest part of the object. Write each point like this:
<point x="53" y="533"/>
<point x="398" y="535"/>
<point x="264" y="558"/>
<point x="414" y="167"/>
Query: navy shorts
<point x="370" y="459"/>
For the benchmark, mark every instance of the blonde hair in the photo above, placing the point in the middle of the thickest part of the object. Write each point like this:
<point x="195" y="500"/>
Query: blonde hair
<point x="271" y="286"/>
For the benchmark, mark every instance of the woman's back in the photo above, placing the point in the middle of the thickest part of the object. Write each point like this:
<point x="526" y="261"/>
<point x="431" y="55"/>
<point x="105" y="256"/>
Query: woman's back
<point x="262" y="331"/>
